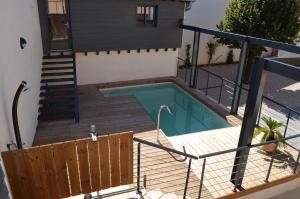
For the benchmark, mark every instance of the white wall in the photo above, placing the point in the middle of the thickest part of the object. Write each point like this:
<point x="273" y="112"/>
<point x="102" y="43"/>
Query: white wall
<point x="19" y="18"/>
<point x="113" y="67"/>
<point x="206" y="14"/>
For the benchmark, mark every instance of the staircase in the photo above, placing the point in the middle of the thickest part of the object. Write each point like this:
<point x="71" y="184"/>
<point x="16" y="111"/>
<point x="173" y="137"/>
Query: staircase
<point x="58" y="92"/>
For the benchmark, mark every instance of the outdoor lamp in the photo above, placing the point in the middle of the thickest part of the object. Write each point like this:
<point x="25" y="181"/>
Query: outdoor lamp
<point x="23" y="43"/>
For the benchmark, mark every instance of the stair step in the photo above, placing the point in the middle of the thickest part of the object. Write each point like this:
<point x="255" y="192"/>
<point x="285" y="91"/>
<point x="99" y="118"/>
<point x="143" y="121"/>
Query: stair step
<point x="58" y="87"/>
<point x="57" y="100"/>
<point x="57" y="62"/>
<point x="64" y="107"/>
<point x="57" y="68"/>
<point x="57" y="74"/>
<point x="55" y="116"/>
<point x="57" y="93"/>
<point x="57" y="80"/>
<point x="57" y="56"/>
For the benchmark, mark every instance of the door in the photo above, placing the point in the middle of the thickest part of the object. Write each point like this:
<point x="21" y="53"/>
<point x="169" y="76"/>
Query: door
<point x="59" y="25"/>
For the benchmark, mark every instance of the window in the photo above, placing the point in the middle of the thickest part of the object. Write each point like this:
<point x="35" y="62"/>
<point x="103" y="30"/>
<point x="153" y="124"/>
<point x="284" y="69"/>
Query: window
<point x="146" y="15"/>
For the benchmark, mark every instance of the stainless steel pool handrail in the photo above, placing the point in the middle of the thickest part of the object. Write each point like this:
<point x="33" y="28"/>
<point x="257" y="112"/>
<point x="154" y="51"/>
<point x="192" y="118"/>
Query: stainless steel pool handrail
<point x="158" y="119"/>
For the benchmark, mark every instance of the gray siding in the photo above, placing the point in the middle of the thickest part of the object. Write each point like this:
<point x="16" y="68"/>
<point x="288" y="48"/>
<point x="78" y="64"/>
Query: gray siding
<point x="99" y="25"/>
<point x="43" y="15"/>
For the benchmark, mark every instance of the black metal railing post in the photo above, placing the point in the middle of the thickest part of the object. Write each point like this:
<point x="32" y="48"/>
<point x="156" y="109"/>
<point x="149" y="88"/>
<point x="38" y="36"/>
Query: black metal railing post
<point x="202" y="178"/>
<point x="259" y="112"/>
<point x="287" y="123"/>
<point x="271" y="163"/>
<point x="139" y="169"/>
<point x="220" y="94"/>
<point x="238" y="79"/>
<point x="193" y="75"/>
<point x="207" y="82"/>
<point x="187" y="179"/>
<point x="296" y="163"/>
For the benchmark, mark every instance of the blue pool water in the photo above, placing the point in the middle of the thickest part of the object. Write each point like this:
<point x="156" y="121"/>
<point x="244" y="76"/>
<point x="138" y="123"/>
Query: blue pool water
<point x="189" y="115"/>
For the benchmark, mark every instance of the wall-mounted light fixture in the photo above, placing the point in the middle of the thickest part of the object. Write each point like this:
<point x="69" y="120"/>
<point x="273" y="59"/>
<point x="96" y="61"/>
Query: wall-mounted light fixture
<point x="23" y="43"/>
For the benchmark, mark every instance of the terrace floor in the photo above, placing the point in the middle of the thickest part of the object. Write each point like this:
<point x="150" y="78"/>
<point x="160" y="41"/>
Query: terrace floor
<point x="110" y="115"/>
<point x="163" y="173"/>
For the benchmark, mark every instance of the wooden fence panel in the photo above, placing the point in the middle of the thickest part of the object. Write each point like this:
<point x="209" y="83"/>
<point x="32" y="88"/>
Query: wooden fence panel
<point x="104" y="162"/>
<point x="11" y="168"/>
<point x="94" y="160"/>
<point x="125" y="158"/>
<point x="46" y="152"/>
<point x="83" y="161"/>
<point x="70" y="168"/>
<point x="114" y="148"/>
<point x="61" y="170"/>
<point x="71" y="161"/>
<point x="40" y="182"/>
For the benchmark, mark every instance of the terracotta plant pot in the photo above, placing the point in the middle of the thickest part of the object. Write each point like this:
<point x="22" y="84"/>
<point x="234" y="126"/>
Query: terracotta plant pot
<point x="269" y="148"/>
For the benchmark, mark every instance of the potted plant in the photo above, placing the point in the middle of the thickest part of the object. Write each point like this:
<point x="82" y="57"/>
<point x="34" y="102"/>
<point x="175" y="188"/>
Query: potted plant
<point x="270" y="131"/>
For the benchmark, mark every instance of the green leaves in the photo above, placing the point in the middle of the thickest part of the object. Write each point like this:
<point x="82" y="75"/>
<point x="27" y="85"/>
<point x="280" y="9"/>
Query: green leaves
<point x="276" y="20"/>
<point x="270" y="131"/>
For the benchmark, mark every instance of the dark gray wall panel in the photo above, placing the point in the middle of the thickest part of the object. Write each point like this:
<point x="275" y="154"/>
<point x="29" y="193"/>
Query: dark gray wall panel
<point x="3" y="189"/>
<point x="43" y="15"/>
<point x="99" y="25"/>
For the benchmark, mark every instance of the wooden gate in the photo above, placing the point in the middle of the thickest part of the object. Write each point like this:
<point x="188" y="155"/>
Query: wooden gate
<point x="70" y="168"/>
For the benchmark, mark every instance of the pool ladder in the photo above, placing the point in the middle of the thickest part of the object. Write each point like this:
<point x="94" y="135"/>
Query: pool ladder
<point x="158" y="119"/>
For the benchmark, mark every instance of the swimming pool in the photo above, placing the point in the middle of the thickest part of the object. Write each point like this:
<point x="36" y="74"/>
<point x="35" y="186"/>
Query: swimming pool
<point x="189" y="115"/>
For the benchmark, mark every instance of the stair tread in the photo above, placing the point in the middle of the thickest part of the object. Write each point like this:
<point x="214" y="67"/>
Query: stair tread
<point x="57" y="80"/>
<point x="44" y="117"/>
<point x="58" y="87"/>
<point x="57" y="56"/>
<point x="57" y="74"/>
<point x="60" y="107"/>
<point x="63" y="99"/>
<point x="58" y="62"/>
<point x="57" y="68"/>
<point x="57" y="93"/>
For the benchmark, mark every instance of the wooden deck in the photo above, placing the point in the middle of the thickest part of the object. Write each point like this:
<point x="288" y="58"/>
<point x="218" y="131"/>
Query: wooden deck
<point x="110" y="115"/>
<point x="163" y="173"/>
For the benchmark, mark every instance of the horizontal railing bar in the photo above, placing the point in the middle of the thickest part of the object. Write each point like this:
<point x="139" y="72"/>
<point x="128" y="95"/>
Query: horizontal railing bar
<point x="250" y="146"/>
<point x="275" y="102"/>
<point x="283" y="69"/>
<point x="251" y="40"/>
<point x="217" y="33"/>
<point x="165" y="148"/>
<point x="246" y="89"/>
<point x="274" y="44"/>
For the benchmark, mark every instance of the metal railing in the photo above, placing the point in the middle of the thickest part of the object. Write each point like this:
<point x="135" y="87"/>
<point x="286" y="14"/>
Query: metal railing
<point x="158" y="171"/>
<point x="262" y="167"/>
<point x="213" y="170"/>
<point x="220" y="89"/>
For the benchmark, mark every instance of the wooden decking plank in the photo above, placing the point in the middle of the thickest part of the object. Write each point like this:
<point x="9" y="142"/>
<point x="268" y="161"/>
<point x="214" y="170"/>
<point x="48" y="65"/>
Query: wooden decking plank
<point x="25" y="173"/>
<point x="94" y="164"/>
<point x="61" y="170"/>
<point x="84" y="166"/>
<point x="12" y="173"/>
<point x="114" y="151"/>
<point x="38" y="174"/>
<point x="47" y="155"/>
<point x="125" y="158"/>
<point x="72" y="164"/>
<point x="104" y="162"/>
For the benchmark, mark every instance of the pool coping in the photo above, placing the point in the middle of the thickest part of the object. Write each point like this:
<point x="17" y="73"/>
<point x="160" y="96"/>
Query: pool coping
<point x="234" y="120"/>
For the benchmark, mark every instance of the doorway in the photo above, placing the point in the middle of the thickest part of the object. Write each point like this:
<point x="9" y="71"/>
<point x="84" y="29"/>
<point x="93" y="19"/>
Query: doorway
<point x="59" y="26"/>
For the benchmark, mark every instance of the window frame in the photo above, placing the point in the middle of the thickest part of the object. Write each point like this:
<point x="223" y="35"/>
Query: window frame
<point x="141" y="19"/>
